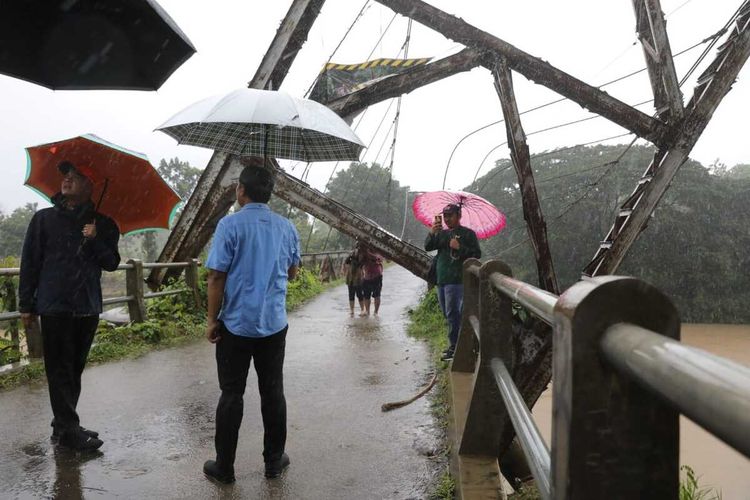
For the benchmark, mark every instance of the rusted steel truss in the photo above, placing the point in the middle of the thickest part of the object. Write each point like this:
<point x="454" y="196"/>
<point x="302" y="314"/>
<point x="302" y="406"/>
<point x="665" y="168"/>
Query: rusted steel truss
<point x="519" y="154"/>
<point x="712" y="86"/>
<point x="652" y="32"/>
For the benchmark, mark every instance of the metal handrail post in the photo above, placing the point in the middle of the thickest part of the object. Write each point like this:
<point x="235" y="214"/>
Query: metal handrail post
<point x="611" y="438"/>
<point x="465" y="356"/>
<point x="487" y="423"/>
<point x="191" y="279"/>
<point x="134" y="288"/>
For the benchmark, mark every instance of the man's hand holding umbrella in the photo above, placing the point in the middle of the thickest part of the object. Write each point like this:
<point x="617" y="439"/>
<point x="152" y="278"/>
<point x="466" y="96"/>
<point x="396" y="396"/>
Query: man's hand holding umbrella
<point x="89" y="231"/>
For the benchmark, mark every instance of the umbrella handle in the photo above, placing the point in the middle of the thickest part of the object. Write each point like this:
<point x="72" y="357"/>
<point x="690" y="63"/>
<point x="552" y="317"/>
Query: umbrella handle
<point x="101" y="196"/>
<point x="96" y="209"/>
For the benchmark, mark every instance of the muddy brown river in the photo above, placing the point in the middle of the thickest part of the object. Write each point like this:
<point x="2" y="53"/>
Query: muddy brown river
<point x="716" y="464"/>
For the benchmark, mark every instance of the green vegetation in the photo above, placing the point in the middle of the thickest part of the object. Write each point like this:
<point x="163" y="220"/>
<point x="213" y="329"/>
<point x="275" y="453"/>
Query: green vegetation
<point x="445" y="489"/>
<point x="426" y="322"/>
<point x="306" y="285"/>
<point x="691" y="490"/>
<point x="527" y="491"/>
<point x="694" y="248"/>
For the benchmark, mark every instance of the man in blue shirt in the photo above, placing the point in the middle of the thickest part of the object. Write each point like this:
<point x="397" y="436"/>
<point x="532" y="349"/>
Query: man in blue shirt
<point x="254" y="253"/>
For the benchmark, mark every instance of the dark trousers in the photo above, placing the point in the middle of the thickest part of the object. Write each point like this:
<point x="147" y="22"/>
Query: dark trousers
<point x="233" y="356"/>
<point x="66" y="341"/>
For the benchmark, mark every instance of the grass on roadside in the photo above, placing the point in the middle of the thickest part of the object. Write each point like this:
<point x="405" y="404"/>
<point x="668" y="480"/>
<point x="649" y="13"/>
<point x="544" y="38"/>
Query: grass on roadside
<point x="426" y="322"/>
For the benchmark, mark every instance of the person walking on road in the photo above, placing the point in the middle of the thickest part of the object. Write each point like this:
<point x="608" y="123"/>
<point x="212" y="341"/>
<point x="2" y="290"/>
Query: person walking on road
<point x="372" y="282"/>
<point x="64" y="251"/>
<point x="352" y="270"/>
<point x="454" y="246"/>
<point x="254" y="254"/>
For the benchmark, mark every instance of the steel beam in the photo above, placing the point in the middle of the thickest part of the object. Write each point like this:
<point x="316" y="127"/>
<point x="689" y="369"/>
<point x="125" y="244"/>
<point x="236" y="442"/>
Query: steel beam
<point x="519" y="154"/>
<point x="652" y="32"/>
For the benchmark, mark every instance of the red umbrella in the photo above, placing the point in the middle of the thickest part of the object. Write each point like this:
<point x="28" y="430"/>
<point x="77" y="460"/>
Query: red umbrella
<point x="126" y="186"/>
<point x="477" y="214"/>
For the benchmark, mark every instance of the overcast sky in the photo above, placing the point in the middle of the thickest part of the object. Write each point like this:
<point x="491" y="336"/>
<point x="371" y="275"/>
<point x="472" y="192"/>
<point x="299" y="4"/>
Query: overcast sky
<point x="593" y="40"/>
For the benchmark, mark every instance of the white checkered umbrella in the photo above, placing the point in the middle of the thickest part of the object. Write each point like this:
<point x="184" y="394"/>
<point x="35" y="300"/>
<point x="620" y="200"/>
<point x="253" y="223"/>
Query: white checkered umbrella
<point x="251" y="122"/>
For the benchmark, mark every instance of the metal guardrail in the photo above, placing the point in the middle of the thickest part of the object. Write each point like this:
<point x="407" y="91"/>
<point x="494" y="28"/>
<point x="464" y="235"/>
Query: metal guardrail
<point x="621" y="379"/>
<point x="135" y="295"/>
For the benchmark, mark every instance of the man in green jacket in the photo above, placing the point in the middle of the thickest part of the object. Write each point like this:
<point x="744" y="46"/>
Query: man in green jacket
<point x="454" y="246"/>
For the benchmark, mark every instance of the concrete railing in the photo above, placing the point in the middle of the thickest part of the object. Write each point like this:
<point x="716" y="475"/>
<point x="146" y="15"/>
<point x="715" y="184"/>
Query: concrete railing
<point x="328" y="263"/>
<point x="621" y="378"/>
<point x="135" y="295"/>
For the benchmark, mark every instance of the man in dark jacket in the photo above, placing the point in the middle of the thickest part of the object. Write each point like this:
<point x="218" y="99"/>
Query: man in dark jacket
<point x="454" y="246"/>
<point x="65" y="250"/>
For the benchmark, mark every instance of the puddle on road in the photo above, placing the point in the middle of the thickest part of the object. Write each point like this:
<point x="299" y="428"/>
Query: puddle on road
<point x="373" y="379"/>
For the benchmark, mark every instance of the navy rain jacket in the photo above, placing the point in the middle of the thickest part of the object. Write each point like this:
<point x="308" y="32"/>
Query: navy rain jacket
<point x="59" y="277"/>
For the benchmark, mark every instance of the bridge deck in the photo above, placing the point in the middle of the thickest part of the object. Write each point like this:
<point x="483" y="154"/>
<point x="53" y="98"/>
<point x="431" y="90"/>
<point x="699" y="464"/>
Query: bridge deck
<point x="156" y="417"/>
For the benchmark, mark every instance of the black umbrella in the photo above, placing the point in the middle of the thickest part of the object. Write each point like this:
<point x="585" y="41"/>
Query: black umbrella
<point x="90" y="44"/>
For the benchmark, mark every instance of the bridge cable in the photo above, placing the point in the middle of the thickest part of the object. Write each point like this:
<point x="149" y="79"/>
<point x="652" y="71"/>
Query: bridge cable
<point x="394" y="126"/>
<point x="590" y="186"/>
<point x="714" y="36"/>
<point x="333" y="54"/>
<point x="308" y="166"/>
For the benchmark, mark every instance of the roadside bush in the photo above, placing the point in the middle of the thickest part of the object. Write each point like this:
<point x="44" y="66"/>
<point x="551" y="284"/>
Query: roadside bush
<point x="306" y="285"/>
<point x="427" y="322"/>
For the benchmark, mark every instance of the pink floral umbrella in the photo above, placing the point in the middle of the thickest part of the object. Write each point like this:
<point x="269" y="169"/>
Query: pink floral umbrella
<point x="477" y="214"/>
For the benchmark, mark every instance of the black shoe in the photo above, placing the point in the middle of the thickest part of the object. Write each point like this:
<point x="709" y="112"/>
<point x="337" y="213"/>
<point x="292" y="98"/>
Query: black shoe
<point x="447" y="355"/>
<point x="80" y="441"/>
<point x="56" y="432"/>
<point x="88" y="432"/>
<point x="274" y="469"/>
<point x="212" y="471"/>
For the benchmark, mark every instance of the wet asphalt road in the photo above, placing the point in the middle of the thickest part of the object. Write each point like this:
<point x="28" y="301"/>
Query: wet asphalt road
<point x="155" y="415"/>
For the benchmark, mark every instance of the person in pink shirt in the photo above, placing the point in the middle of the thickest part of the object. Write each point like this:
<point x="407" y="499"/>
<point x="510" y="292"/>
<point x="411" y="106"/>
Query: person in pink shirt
<point x="372" y="273"/>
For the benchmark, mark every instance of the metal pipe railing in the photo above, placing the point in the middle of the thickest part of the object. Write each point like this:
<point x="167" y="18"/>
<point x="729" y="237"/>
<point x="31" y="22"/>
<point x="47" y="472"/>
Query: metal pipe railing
<point x="166" y="293"/>
<point x="475" y="326"/>
<point x="536" y="451"/>
<point x="165" y="265"/>
<point x="713" y="392"/>
<point x="117" y="300"/>
<point x="536" y="300"/>
<point x="128" y="299"/>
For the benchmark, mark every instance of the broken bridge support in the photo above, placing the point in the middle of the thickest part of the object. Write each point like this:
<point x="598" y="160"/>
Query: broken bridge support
<point x="519" y="154"/>
<point x="713" y="84"/>
<point x="652" y="32"/>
